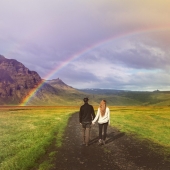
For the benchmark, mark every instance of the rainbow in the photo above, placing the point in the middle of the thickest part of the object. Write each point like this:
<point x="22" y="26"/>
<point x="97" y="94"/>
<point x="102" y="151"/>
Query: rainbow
<point x="88" y="50"/>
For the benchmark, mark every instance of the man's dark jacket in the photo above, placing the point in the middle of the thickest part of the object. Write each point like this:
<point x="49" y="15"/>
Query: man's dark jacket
<point x="86" y="114"/>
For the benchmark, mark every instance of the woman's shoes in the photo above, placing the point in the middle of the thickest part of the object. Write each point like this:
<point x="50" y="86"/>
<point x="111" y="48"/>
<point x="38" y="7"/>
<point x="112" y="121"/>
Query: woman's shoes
<point x="101" y="142"/>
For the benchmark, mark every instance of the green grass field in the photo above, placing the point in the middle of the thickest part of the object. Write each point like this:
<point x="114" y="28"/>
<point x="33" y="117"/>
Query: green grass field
<point x="147" y="123"/>
<point x="26" y="133"/>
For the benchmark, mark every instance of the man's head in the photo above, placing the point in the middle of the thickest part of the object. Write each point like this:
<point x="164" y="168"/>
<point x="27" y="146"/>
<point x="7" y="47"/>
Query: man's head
<point x="85" y="99"/>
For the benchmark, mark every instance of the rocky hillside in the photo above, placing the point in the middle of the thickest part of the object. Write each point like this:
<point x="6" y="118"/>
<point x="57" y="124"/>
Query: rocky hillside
<point x="59" y="84"/>
<point x="15" y="80"/>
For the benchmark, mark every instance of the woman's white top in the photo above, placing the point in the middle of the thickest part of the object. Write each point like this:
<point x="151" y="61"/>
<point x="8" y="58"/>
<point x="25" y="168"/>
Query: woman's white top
<point x="104" y="119"/>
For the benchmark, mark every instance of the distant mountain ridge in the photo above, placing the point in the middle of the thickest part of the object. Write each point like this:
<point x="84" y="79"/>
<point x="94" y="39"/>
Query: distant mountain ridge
<point x="133" y="97"/>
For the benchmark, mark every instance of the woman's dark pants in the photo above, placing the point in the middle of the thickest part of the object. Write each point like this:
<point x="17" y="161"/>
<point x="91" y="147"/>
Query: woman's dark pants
<point x="101" y="128"/>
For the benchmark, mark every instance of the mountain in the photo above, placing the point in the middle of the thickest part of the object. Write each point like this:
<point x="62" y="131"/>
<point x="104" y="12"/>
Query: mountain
<point x="59" y="84"/>
<point x="67" y="94"/>
<point x="15" y="81"/>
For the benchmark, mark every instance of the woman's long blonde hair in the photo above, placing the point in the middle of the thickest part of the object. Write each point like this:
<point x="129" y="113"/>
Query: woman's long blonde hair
<point x="102" y="107"/>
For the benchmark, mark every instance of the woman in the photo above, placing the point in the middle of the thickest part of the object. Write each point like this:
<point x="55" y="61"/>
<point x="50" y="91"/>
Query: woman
<point x="103" y="117"/>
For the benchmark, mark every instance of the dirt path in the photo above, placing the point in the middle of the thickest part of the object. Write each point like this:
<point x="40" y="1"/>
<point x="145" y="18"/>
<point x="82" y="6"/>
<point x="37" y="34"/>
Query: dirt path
<point x="121" y="152"/>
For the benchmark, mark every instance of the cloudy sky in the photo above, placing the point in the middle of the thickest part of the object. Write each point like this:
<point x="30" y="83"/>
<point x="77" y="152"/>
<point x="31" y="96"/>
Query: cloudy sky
<point x="118" y="44"/>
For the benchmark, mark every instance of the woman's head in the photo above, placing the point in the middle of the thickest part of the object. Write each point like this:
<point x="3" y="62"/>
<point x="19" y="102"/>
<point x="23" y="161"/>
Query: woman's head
<point x="103" y="107"/>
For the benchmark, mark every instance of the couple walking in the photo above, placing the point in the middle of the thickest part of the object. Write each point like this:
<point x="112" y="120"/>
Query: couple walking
<point x="87" y="117"/>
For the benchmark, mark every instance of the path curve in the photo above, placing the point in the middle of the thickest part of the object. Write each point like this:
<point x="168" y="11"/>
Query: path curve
<point x="121" y="152"/>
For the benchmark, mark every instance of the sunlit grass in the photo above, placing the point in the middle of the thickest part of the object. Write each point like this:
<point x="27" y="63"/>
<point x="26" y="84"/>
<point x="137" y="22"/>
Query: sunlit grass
<point x="151" y="123"/>
<point x="26" y="133"/>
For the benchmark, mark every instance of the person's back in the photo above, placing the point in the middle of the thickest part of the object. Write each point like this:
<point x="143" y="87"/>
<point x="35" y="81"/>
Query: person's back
<point x="86" y="115"/>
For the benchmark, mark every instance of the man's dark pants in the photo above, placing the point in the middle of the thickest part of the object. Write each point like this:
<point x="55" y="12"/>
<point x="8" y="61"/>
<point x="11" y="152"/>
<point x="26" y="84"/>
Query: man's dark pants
<point x="103" y="127"/>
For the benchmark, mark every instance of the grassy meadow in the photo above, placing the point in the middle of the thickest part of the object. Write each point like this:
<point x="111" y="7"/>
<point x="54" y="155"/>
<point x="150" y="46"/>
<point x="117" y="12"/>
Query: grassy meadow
<point x="27" y="132"/>
<point x="150" y="123"/>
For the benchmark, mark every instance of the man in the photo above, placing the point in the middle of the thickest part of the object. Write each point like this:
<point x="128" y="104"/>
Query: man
<point x="86" y="115"/>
